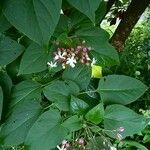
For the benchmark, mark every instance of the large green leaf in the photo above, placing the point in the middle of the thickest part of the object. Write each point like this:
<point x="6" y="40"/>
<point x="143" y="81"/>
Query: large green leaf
<point x="9" y="50"/>
<point x="25" y="90"/>
<point x="59" y="93"/>
<point x="117" y="116"/>
<point x="34" y="60"/>
<point x="73" y="123"/>
<point x="47" y="132"/>
<point x="96" y="114"/>
<point x="81" y="75"/>
<point x="35" y="18"/>
<point x="120" y="89"/>
<point x="87" y="7"/>
<point x="97" y="39"/>
<point x="19" y="121"/>
<point x="1" y="102"/>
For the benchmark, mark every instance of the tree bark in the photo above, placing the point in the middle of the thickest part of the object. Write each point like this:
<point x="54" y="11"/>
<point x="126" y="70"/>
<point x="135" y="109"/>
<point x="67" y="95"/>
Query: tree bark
<point x="132" y="15"/>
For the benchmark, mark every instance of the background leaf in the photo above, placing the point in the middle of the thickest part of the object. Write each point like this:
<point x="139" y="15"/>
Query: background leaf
<point x="134" y="144"/>
<point x="47" y="132"/>
<point x="1" y="102"/>
<point x="4" y="24"/>
<point x="117" y="116"/>
<point x="25" y="90"/>
<point x="87" y="7"/>
<point x="81" y="75"/>
<point x="6" y="85"/>
<point x="9" y="50"/>
<point x="34" y="60"/>
<point x="36" y="19"/>
<point x="124" y="91"/>
<point x="19" y="121"/>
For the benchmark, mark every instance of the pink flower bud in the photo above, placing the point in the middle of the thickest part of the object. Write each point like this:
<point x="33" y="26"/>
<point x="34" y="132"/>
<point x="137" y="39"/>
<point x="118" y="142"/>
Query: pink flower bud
<point x="81" y="141"/>
<point x="84" y="49"/>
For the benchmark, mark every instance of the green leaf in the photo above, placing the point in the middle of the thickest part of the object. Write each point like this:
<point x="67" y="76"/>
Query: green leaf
<point x="62" y="26"/>
<point x="9" y="50"/>
<point x="73" y="87"/>
<point x="78" y="20"/>
<point x="1" y="102"/>
<point x="73" y="123"/>
<point x="59" y="92"/>
<point x="47" y="132"/>
<point x="117" y="116"/>
<point x="36" y="19"/>
<point x="87" y="7"/>
<point x="6" y="83"/>
<point x="146" y="138"/>
<point x="4" y="24"/>
<point x="81" y="75"/>
<point x="34" y="60"/>
<point x="77" y="105"/>
<point x="125" y="91"/>
<point x="96" y="114"/>
<point x="19" y="121"/>
<point x="97" y="39"/>
<point x="134" y="144"/>
<point x="100" y="12"/>
<point x="25" y="90"/>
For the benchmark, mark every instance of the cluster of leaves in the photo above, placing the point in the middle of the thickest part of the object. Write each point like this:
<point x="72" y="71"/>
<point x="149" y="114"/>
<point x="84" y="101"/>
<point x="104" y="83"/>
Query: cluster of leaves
<point x="40" y="107"/>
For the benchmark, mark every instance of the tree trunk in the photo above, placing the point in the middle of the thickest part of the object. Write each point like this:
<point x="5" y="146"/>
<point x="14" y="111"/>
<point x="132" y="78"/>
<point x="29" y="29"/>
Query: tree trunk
<point x="132" y="15"/>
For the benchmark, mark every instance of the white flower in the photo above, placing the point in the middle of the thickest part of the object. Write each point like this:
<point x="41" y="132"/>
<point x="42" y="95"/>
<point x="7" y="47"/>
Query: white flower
<point x="51" y="64"/>
<point x="61" y="11"/>
<point x="112" y="148"/>
<point x="71" y="61"/>
<point x="93" y="61"/>
<point x="59" y="56"/>
<point x="61" y="148"/>
<point x="119" y="136"/>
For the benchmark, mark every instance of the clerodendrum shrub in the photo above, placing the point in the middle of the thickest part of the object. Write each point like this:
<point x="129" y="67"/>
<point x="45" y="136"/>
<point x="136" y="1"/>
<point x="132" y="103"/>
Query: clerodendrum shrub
<point x="50" y="53"/>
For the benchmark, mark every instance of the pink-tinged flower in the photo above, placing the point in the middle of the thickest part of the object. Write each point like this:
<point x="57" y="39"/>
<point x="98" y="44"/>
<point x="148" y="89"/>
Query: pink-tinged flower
<point x="71" y="61"/>
<point x="119" y="136"/>
<point x="121" y="129"/>
<point x="81" y="141"/>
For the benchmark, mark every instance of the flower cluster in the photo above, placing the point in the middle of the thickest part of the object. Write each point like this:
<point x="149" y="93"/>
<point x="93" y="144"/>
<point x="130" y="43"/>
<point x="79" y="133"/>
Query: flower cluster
<point x="70" y="56"/>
